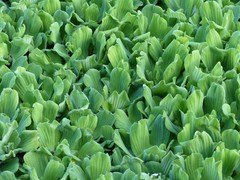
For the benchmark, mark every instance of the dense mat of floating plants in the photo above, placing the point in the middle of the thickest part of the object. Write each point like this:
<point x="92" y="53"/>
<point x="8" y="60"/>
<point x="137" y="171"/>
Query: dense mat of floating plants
<point x="119" y="89"/>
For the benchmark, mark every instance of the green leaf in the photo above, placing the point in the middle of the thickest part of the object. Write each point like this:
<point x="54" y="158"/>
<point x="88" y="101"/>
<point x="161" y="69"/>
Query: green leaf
<point x="107" y="176"/>
<point x="234" y="39"/>
<point x="115" y="54"/>
<point x="159" y="133"/>
<point x="72" y="134"/>
<point x="122" y="8"/>
<point x="230" y="161"/>
<point x="128" y="174"/>
<point x="147" y="93"/>
<point x="25" y="81"/>
<point x="212" y="169"/>
<point x="99" y="164"/>
<point x="32" y="21"/>
<point x="61" y="16"/>
<point x="193" y="164"/>
<point x="155" y="48"/>
<point x="61" y="50"/>
<point x="4" y="50"/>
<point x="39" y="57"/>
<point x="95" y="99"/>
<point x="230" y="60"/>
<point x="116" y="101"/>
<point x="44" y="111"/>
<point x="231" y="139"/>
<point x="213" y="39"/>
<point x="188" y="7"/>
<point x="92" y="79"/>
<point x="100" y="44"/>
<point x="170" y="125"/>
<point x="85" y="121"/>
<point x="178" y="173"/>
<point x="54" y="170"/>
<point x="37" y="113"/>
<point x="214" y="99"/>
<point x="55" y="37"/>
<point x="109" y="23"/>
<point x="87" y="63"/>
<point x="29" y="140"/>
<point x="122" y="120"/>
<point x="154" y="153"/>
<point x="119" y="142"/>
<point x="149" y="10"/>
<point x="11" y="165"/>
<point x="176" y="15"/>
<point x="211" y="10"/>
<point x="158" y="26"/>
<point x="36" y="161"/>
<point x="139" y="137"/>
<point x="192" y="60"/>
<point x="92" y="13"/>
<point x="7" y="175"/>
<point x="81" y="38"/>
<point x="9" y="102"/>
<point x="211" y="56"/>
<point x="24" y="120"/>
<point x="173" y="70"/>
<point x="77" y="100"/>
<point x="49" y="136"/>
<point x="119" y="80"/>
<point x="51" y="6"/>
<point x="90" y="148"/>
<point x="202" y="143"/>
<point x="167" y="162"/>
<point x="74" y="171"/>
<point x="195" y="102"/>
<point x="19" y="46"/>
<point x="46" y="19"/>
<point x="50" y="110"/>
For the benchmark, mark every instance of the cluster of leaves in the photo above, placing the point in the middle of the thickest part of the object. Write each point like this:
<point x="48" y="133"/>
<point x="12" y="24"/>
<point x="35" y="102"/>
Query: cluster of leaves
<point x="119" y="89"/>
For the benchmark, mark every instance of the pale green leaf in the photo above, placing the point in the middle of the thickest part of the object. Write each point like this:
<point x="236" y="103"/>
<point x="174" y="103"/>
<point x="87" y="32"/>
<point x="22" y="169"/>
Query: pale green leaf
<point x="193" y="164"/>
<point x="122" y="120"/>
<point x="213" y="39"/>
<point x="115" y="54"/>
<point x="212" y="169"/>
<point x="9" y="102"/>
<point x="92" y="79"/>
<point x="139" y="137"/>
<point x="54" y="170"/>
<point x="77" y="100"/>
<point x="51" y="6"/>
<point x="7" y="175"/>
<point x="211" y="10"/>
<point x="100" y="164"/>
<point x="89" y="149"/>
<point x="36" y="161"/>
<point x="49" y="135"/>
<point x="202" y="143"/>
<point x="81" y="38"/>
<point x="195" y="102"/>
<point x="19" y="46"/>
<point x="29" y="140"/>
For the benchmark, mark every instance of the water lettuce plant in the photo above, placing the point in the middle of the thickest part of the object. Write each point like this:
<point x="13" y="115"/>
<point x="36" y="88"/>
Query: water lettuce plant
<point x="116" y="89"/>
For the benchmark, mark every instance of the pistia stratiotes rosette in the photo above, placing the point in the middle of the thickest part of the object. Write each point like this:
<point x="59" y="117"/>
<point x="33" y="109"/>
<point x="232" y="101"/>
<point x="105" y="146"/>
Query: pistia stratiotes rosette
<point x="116" y="89"/>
